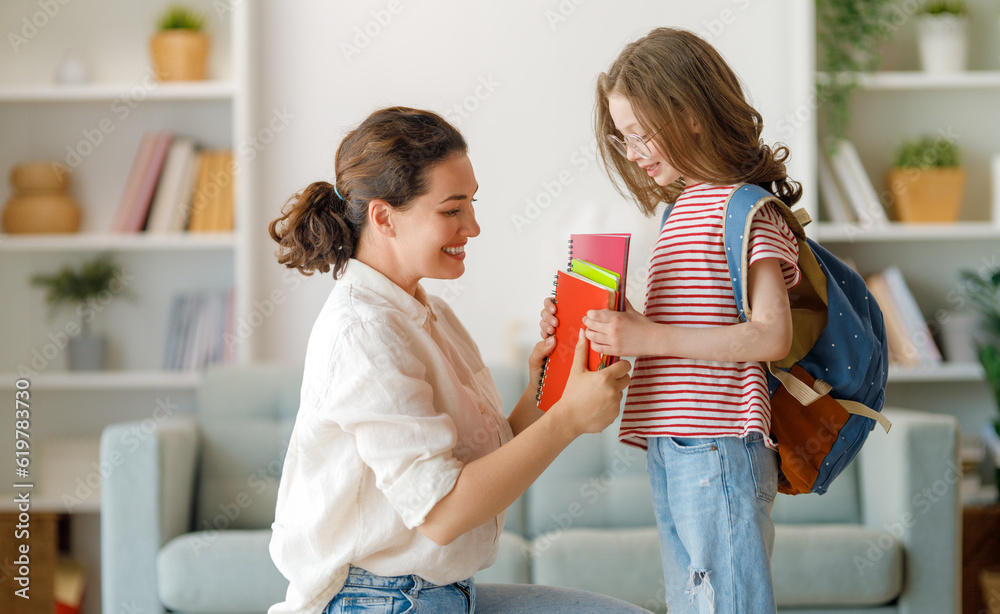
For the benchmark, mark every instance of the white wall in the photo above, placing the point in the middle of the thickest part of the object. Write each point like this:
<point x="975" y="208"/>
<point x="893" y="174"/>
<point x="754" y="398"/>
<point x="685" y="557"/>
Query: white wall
<point x="518" y="80"/>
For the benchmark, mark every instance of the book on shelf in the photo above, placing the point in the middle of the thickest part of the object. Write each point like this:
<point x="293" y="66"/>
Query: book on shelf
<point x="916" y="326"/>
<point x="831" y="195"/>
<point x="198" y="327"/>
<point x="142" y="181"/>
<point x="131" y="189"/>
<point x="212" y="200"/>
<point x="901" y="349"/>
<point x="172" y="187"/>
<point x="575" y="295"/>
<point x="909" y="337"/>
<point x="173" y="191"/>
<point x="856" y="185"/>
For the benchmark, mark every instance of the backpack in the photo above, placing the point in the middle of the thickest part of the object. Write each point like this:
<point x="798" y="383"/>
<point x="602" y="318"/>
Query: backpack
<point x="828" y="392"/>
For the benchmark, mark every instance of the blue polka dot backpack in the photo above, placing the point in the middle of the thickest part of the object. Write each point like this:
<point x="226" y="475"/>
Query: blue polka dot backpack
<point x="828" y="392"/>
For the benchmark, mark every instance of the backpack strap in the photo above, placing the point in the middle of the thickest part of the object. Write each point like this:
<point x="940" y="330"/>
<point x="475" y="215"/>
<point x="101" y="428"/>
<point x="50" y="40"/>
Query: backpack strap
<point x="666" y="214"/>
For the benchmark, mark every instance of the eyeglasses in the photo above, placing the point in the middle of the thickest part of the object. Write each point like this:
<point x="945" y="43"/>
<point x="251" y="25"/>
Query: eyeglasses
<point x="636" y="142"/>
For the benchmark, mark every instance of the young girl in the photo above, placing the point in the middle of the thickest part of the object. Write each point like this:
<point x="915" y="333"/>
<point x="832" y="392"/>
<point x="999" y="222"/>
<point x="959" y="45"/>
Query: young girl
<point x="401" y="463"/>
<point x="674" y="127"/>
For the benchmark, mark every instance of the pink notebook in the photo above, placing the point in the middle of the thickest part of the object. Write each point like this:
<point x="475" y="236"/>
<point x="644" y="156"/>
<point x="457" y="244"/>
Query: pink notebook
<point x="605" y="250"/>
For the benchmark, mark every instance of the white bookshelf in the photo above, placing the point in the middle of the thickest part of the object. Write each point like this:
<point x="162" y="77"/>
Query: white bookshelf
<point x="42" y="121"/>
<point x="136" y="242"/>
<point x="107" y="380"/>
<point x="849" y="233"/>
<point x="897" y="103"/>
<point x="945" y="372"/>
<point x="143" y="90"/>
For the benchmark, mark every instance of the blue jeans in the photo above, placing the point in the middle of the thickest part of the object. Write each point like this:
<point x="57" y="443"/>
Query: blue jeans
<point x="367" y="593"/>
<point x="713" y="498"/>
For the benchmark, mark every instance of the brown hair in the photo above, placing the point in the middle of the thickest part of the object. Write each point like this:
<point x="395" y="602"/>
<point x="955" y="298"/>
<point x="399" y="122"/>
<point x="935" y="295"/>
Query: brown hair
<point x="670" y="76"/>
<point x="387" y="157"/>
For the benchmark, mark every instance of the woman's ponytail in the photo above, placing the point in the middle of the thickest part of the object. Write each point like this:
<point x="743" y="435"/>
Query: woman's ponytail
<point x="315" y="231"/>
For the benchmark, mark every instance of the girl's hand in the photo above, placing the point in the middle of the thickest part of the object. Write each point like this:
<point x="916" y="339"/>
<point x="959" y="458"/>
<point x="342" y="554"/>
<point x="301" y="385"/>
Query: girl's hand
<point x="619" y="333"/>
<point x="592" y="399"/>
<point x="549" y="321"/>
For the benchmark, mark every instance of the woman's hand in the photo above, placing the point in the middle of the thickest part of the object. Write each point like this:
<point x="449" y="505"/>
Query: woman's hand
<point x="592" y="399"/>
<point x="537" y="358"/>
<point x="620" y="333"/>
<point x="549" y="320"/>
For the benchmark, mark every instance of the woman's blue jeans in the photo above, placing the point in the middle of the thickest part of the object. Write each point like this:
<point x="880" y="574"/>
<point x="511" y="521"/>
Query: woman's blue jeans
<point x="712" y="498"/>
<point x="367" y="593"/>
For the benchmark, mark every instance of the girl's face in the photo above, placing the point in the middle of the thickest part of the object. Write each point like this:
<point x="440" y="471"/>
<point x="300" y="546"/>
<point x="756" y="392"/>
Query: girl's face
<point x="656" y="166"/>
<point x="430" y="235"/>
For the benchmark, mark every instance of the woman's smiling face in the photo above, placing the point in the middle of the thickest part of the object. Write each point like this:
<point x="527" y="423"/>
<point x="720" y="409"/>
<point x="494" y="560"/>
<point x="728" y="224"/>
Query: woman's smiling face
<point x="431" y="234"/>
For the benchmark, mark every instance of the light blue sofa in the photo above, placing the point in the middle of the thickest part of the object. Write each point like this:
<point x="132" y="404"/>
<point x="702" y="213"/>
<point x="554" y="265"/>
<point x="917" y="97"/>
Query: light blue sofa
<point x="185" y="514"/>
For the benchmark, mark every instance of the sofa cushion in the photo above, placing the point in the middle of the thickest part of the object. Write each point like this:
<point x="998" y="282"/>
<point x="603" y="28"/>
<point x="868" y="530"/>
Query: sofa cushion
<point x="596" y="482"/>
<point x="813" y="565"/>
<point x="246" y="416"/>
<point x="219" y="571"/>
<point x="622" y="563"/>
<point x="835" y="565"/>
<point x="840" y="504"/>
<point x="513" y="565"/>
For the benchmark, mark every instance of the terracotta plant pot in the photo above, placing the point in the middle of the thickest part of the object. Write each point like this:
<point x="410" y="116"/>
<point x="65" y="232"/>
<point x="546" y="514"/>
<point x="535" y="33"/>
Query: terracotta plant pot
<point x="926" y="194"/>
<point x="39" y="203"/>
<point x="180" y="55"/>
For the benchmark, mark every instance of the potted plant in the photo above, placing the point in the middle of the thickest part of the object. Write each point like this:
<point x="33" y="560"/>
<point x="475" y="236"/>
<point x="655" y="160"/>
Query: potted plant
<point x="983" y="291"/>
<point x="848" y="37"/>
<point x="180" y="47"/>
<point x="942" y="36"/>
<point x="89" y="289"/>
<point x="926" y="181"/>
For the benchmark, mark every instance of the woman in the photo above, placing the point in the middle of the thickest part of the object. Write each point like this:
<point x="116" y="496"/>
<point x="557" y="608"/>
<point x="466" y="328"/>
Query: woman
<point x="401" y="462"/>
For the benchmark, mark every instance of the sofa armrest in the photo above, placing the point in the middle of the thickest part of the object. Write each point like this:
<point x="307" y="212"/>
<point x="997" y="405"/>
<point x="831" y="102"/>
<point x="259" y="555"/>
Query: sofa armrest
<point x="146" y="500"/>
<point x="910" y="490"/>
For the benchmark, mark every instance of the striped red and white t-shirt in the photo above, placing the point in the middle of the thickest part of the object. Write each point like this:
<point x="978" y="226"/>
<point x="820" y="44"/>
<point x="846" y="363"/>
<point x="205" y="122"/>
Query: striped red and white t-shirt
<point x="689" y="285"/>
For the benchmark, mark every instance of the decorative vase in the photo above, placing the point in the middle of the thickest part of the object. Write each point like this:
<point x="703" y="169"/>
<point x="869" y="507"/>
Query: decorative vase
<point x="943" y="43"/>
<point x="72" y="69"/>
<point x="926" y="194"/>
<point x="87" y="352"/>
<point x="39" y="202"/>
<point x="179" y="55"/>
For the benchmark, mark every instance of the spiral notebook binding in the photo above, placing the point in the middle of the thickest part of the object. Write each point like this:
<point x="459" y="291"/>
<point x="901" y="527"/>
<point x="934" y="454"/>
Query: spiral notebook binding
<point x="569" y="263"/>
<point x="545" y="361"/>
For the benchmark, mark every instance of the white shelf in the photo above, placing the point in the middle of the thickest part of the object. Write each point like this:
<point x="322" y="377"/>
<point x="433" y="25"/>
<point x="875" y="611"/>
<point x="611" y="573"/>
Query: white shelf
<point x="108" y="380"/>
<point x="945" y="372"/>
<point x="917" y="80"/>
<point x="141" y="90"/>
<point x="118" y="242"/>
<point x="850" y="233"/>
<point x="64" y="474"/>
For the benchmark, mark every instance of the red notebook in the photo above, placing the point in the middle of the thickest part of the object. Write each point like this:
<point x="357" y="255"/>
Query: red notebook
<point x="605" y="250"/>
<point x="575" y="296"/>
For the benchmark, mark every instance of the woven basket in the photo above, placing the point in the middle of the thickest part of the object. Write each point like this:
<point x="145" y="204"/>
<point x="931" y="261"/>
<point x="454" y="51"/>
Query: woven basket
<point x="179" y="55"/>
<point x="926" y="194"/>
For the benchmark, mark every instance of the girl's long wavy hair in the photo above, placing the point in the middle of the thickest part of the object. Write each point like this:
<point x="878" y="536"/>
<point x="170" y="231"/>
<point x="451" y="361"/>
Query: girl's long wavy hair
<point x="671" y="76"/>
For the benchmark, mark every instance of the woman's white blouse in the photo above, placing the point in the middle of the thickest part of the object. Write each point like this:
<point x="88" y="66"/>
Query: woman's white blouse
<point x="395" y="400"/>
